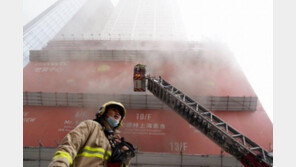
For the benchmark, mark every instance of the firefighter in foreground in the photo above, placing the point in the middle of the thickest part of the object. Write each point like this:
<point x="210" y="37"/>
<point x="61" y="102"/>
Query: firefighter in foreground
<point x="96" y="143"/>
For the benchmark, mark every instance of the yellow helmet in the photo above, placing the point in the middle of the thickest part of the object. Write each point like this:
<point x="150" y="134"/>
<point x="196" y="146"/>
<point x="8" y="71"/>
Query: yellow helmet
<point x="105" y="107"/>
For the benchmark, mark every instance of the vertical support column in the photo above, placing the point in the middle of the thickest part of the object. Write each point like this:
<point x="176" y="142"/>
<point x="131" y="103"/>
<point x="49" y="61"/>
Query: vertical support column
<point x="112" y="54"/>
<point x="67" y="98"/>
<point x="41" y="100"/>
<point x="26" y="96"/>
<point x="211" y="103"/>
<point x="82" y="99"/>
<point x="227" y="106"/>
<point x="243" y="107"/>
<point x="146" y="101"/>
<point x="221" y="154"/>
<point x="39" y="156"/>
<point x="39" y="152"/>
<point x="181" y="154"/>
<point x="56" y="98"/>
<point x="129" y="101"/>
<point x="250" y="102"/>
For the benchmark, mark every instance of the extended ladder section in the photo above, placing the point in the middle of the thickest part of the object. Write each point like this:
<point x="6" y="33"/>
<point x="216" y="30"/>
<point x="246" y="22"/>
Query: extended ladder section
<point x="242" y="148"/>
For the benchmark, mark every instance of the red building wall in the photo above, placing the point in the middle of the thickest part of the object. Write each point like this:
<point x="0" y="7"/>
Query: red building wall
<point x="149" y="130"/>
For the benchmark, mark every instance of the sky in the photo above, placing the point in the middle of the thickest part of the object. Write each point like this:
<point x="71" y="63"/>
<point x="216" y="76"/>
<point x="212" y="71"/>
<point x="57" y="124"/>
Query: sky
<point x="244" y="26"/>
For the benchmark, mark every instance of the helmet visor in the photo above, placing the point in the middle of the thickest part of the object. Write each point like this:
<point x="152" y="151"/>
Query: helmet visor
<point x="118" y="107"/>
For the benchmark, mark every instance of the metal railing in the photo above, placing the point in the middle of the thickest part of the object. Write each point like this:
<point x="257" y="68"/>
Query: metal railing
<point x="132" y="101"/>
<point x="122" y="36"/>
<point x="41" y="157"/>
<point x="102" y="55"/>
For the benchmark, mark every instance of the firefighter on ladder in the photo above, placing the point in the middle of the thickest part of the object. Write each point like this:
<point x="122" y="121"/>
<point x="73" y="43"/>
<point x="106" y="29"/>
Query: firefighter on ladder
<point x="96" y="143"/>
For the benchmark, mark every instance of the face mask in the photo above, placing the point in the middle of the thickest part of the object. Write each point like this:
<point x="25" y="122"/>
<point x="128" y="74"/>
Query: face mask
<point x="112" y="122"/>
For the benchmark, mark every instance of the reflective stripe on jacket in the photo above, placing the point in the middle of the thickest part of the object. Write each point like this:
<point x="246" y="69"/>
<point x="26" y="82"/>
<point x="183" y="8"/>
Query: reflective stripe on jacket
<point x="86" y="145"/>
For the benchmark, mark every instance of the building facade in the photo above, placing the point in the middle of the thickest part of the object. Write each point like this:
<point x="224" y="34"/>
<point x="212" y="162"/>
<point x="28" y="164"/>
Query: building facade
<point x="90" y="61"/>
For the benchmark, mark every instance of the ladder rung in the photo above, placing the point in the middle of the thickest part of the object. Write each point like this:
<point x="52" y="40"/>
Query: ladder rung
<point x="255" y="148"/>
<point x="219" y="124"/>
<point x="196" y="108"/>
<point x="191" y="104"/>
<point x="263" y="153"/>
<point x="244" y="140"/>
<point x="177" y="91"/>
<point x="205" y="113"/>
<point x="237" y="135"/>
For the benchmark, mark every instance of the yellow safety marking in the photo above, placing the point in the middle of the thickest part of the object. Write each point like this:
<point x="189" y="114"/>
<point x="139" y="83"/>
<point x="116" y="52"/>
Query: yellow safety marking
<point x="95" y="152"/>
<point x="85" y="154"/>
<point x="94" y="149"/>
<point x="63" y="154"/>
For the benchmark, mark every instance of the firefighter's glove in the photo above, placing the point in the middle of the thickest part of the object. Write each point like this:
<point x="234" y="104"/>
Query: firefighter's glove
<point x="121" y="154"/>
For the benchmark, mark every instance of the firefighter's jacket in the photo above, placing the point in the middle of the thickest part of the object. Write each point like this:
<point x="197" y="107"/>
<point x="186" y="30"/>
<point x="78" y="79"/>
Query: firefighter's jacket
<point x="84" y="146"/>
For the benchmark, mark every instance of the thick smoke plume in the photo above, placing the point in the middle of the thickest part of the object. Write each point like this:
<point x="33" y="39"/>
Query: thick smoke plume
<point x="194" y="74"/>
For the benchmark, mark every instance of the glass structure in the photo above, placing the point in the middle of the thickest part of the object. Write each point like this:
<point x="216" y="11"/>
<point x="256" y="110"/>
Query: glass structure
<point x="42" y="29"/>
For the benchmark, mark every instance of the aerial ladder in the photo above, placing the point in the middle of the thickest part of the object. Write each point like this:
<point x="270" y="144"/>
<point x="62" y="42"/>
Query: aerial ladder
<point x="229" y="139"/>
